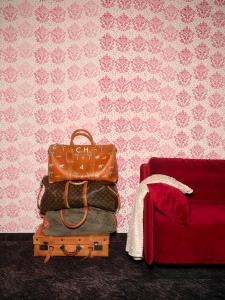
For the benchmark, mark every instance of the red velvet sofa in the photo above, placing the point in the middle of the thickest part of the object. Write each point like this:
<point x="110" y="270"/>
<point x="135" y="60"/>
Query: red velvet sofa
<point x="202" y="241"/>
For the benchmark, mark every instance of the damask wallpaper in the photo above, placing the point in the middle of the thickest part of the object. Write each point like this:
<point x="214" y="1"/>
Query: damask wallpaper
<point x="146" y="75"/>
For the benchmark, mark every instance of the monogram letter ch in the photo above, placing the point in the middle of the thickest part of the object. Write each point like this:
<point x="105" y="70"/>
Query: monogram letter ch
<point x="79" y="149"/>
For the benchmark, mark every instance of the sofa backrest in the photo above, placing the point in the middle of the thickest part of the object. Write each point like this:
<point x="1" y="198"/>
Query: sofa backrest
<point x="205" y="176"/>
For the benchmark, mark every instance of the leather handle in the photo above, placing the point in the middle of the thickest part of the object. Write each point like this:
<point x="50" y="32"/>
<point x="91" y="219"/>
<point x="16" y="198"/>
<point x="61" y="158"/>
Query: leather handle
<point x="82" y="130"/>
<point x="84" y="133"/>
<point x="70" y="253"/>
<point x="73" y="226"/>
<point x="66" y="191"/>
<point x="75" y="253"/>
<point x="62" y="211"/>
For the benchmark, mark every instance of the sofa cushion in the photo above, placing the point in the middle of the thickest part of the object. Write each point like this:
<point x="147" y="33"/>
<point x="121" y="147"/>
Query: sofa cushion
<point x="200" y="242"/>
<point x="205" y="176"/>
<point x="170" y="201"/>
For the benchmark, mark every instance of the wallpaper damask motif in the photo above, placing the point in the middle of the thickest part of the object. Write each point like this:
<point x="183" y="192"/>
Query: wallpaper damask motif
<point x="146" y="75"/>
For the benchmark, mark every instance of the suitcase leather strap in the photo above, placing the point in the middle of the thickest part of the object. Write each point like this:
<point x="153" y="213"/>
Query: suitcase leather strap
<point x="48" y="256"/>
<point x="85" y="202"/>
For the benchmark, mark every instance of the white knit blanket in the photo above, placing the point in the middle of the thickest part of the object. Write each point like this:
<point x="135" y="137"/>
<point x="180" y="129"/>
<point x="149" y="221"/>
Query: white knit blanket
<point x="134" y="245"/>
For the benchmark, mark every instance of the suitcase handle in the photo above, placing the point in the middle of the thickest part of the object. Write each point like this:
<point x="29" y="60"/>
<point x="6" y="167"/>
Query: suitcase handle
<point x="62" y="211"/>
<point x="70" y="253"/>
<point x="75" y="253"/>
<point x="82" y="132"/>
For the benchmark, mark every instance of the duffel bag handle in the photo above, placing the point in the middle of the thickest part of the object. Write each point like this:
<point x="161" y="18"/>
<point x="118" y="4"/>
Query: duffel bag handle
<point x="66" y="191"/>
<point x="62" y="211"/>
<point x="82" y="132"/>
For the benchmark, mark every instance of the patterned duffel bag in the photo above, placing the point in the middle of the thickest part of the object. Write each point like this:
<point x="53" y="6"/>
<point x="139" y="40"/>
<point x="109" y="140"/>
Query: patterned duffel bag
<point x="72" y="194"/>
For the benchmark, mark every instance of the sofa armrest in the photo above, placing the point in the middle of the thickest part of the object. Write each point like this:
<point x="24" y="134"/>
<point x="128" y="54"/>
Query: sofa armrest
<point x="148" y="229"/>
<point x="144" y="171"/>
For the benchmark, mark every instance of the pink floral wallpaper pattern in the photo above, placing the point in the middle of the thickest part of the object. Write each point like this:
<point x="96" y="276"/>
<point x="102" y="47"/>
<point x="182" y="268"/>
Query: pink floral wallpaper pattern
<point x="146" y="75"/>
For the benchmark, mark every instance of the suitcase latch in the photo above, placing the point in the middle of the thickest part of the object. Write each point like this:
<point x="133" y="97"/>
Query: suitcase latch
<point x="78" y="248"/>
<point x="97" y="246"/>
<point x="43" y="246"/>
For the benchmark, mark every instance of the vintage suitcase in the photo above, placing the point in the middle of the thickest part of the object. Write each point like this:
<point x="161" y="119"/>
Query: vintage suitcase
<point x="79" y="245"/>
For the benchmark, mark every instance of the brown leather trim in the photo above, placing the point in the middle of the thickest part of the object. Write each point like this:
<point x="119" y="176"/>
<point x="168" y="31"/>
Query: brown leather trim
<point x="39" y="194"/>
<point x="118" y="197"/>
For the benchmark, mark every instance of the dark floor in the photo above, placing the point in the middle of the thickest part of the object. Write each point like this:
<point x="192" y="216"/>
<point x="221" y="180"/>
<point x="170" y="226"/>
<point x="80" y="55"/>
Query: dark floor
<point x="23" y="276"/>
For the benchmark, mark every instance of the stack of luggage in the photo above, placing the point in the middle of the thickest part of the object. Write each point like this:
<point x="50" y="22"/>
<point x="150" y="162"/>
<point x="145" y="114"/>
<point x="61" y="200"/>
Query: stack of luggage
<point x="77" y="200"/>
